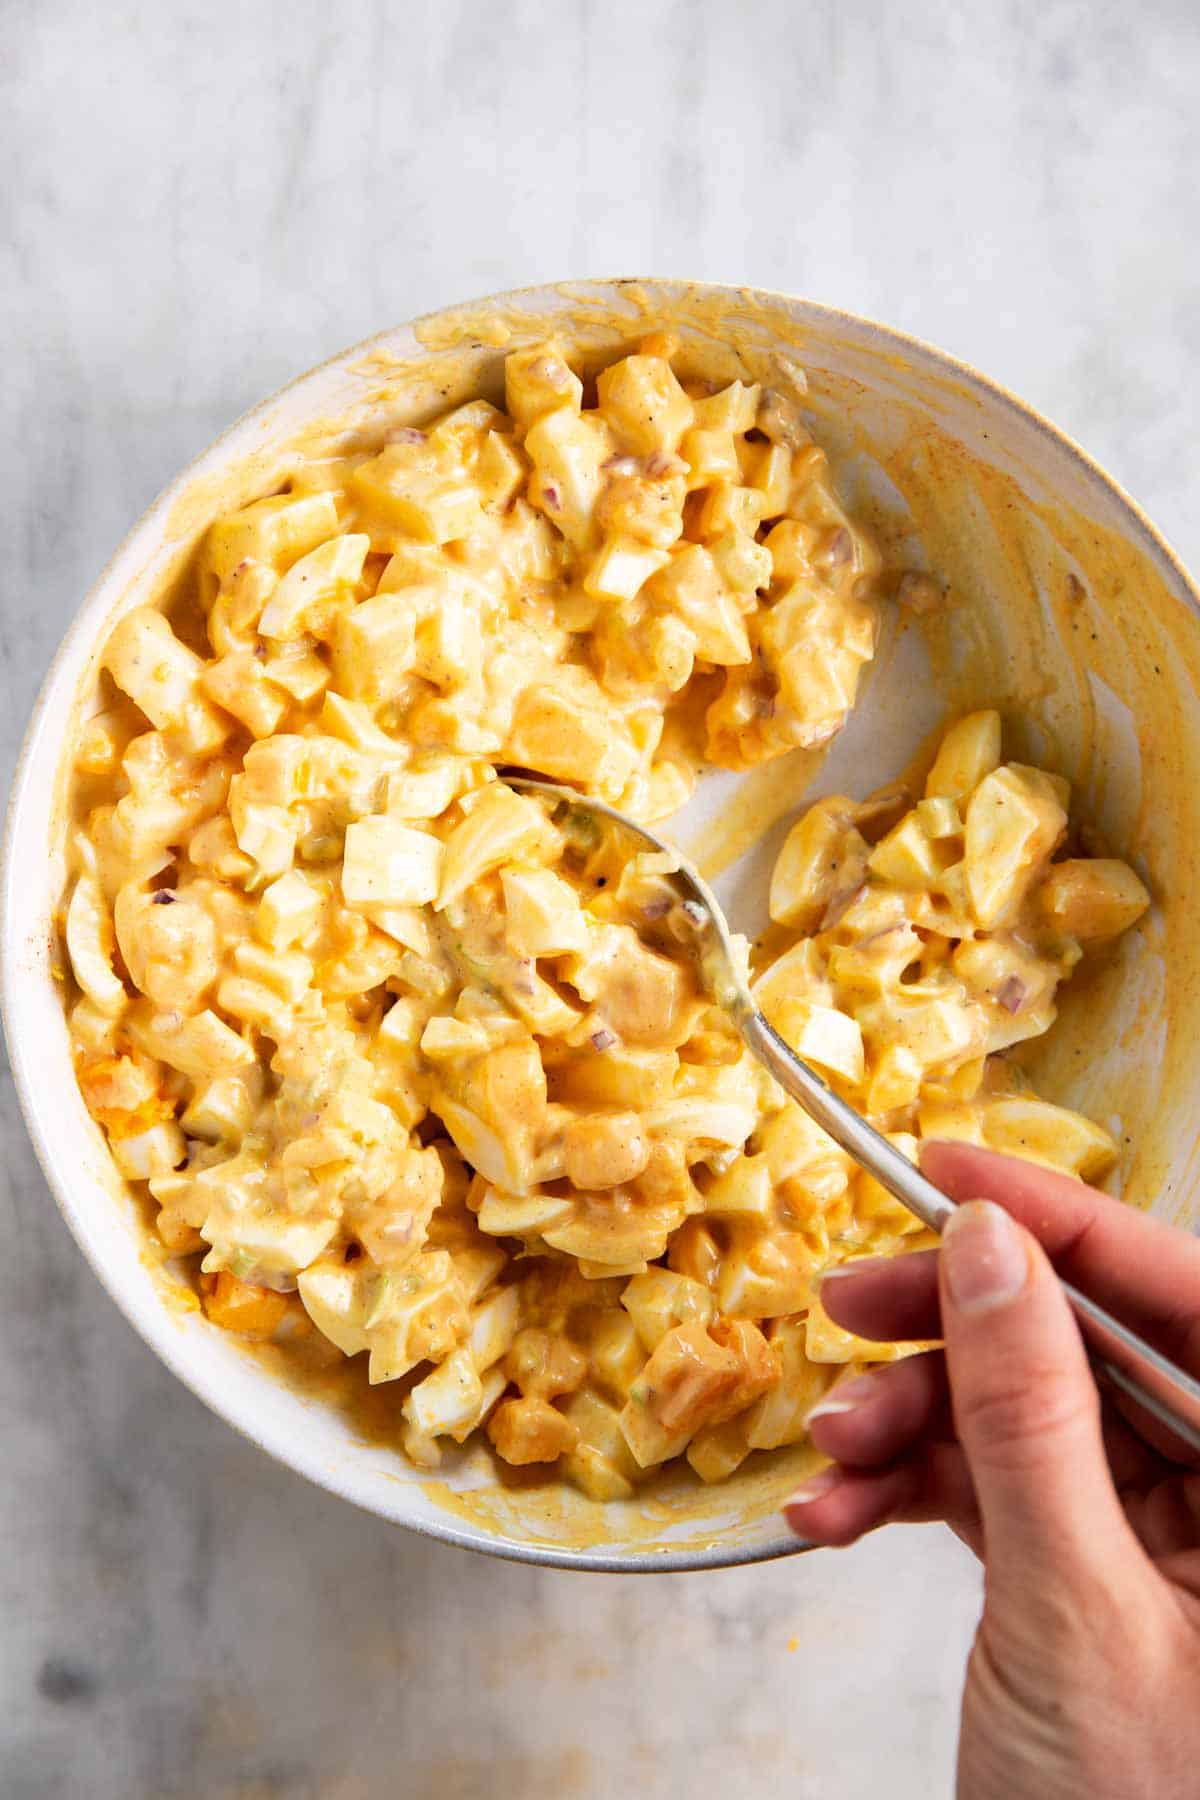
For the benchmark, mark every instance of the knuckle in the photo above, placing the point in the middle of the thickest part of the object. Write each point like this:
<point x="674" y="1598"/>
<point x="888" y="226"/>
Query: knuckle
<point x="1014" y="1420"/>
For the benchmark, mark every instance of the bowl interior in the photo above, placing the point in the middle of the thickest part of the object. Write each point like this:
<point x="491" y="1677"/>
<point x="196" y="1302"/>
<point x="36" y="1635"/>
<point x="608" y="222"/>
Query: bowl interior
<point x="1064" y="610"/>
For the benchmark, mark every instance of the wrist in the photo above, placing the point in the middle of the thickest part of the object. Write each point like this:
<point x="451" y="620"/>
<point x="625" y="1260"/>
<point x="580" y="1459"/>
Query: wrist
<point x="1085" y="1709"/>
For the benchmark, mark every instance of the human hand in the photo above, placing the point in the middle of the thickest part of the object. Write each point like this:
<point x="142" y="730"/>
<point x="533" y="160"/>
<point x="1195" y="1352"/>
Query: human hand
<point x="1084" y="1678"/>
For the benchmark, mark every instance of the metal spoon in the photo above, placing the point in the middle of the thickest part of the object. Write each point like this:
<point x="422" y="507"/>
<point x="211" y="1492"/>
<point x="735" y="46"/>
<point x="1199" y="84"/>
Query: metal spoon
<point x="1118" y="1355"/>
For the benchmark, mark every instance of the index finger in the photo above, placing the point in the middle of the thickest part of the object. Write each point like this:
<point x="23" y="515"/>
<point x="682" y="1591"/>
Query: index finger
<point x="1146" y="1272"/>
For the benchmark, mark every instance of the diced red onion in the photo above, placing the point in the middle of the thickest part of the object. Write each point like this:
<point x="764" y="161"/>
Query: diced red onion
<point x="779" y="418"/>
<point x="885" y="931"/>
<point x="604" y="1039"/>
<point x="840" y="903"/>
<point x="622" y="465"/>
<point x="551" y="496"/>
<point x="657" y="909"/>
<point x="1012" y="994"/>
<point x="407" y="434"/>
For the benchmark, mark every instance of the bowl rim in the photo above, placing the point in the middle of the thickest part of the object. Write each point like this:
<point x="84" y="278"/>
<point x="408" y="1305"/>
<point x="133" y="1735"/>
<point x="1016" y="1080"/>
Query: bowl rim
<point x="151" y="1326"/>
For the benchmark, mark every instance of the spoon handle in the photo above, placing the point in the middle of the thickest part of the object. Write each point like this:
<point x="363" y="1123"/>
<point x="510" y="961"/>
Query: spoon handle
<point x="1119" y="1356"/>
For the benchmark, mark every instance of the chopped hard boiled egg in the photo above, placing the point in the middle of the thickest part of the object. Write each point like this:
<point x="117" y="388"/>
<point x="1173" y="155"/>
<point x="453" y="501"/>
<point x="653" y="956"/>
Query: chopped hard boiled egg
<point x="410" y="1056"/>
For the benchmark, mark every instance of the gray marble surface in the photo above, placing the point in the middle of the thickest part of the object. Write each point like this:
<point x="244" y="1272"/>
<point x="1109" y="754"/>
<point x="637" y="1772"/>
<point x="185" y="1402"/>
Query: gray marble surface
<point x="207" y="200"/>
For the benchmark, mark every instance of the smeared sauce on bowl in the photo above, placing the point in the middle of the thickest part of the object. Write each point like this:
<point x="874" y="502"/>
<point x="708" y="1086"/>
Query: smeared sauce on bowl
<point x="1073" y="630"/>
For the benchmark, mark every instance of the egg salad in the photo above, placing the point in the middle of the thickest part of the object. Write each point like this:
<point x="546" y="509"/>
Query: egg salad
<point x="409" y="1058"/>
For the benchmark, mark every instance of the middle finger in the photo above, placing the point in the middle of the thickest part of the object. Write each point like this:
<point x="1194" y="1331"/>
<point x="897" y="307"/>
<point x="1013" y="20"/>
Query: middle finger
<point x="876" y="1417"/>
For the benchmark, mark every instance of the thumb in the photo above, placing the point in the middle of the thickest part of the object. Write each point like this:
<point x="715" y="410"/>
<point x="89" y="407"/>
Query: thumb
<point x="1025" y="1407"/>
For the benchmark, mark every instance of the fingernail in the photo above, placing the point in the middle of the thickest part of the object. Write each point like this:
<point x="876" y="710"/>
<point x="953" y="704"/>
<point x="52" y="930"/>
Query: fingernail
<point x="846" y="1397"/>
<point x="816" y="1487"/>
<point x="858" y="1265"/>
<point x="984" y="1256"/>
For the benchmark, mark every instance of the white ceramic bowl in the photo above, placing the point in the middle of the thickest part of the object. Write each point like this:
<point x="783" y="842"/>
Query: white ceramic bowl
<point x="1067" y="611"/>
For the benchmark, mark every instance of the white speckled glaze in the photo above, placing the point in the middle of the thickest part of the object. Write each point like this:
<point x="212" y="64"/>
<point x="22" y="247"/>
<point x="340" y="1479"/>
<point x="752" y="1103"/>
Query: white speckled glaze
<point x="1033" y="538"/>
